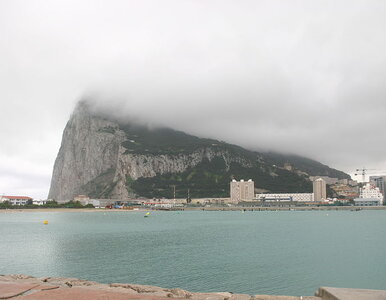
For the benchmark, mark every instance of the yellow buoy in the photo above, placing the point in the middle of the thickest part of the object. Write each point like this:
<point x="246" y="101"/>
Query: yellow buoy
<point x="45" y="222"/>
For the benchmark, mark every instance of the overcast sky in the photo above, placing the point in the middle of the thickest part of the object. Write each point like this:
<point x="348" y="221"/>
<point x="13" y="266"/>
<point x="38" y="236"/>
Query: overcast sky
<point x="305" y="77"/>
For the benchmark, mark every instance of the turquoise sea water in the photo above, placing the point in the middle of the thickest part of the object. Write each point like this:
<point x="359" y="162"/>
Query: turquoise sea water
<point x="288" y="252"/>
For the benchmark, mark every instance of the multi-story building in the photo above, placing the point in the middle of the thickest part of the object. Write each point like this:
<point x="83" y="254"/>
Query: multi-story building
<point x="369" y="195"/>
<point x="319" y="189"/>
<point x="380" y="182"/>
<point x="16" y="200"/>
<point x="370" y="191"/>
<point x="242" y="190"/>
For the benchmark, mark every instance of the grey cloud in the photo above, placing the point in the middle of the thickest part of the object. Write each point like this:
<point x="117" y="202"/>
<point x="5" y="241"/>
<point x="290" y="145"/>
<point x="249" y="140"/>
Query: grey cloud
<point x="304" y="77"/>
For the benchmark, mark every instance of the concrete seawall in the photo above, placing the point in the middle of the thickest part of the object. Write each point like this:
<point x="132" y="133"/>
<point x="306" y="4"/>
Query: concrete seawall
<point x="24" y="287"/>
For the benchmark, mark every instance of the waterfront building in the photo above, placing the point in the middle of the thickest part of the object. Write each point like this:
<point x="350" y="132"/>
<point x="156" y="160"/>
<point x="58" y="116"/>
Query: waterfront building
<point x="369" y="195"/>
<point x="380" y="182"/>
<point x="370" y="191"/>
<point x="16" y="200"/>
<point x="299" y="197"/>
<point x="319" y="189"/>
<point x="242" y="190"/>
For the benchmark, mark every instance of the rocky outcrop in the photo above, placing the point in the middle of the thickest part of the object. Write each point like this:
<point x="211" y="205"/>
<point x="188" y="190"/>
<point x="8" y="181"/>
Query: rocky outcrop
<point x="90" y="147"/>
<point x="138" y="165"/>
<point x="91" y="156"/>
<point x="26" y="287"/>
<point x="102" y="157"/>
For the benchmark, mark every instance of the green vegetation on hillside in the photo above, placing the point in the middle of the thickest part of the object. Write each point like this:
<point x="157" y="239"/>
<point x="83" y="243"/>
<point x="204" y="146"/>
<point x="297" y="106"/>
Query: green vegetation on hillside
<point x="158" y="141"/>
<point x="208" y="178"/>
<point x="142" y="140"/>
<point x="311" y="167"/>
<point x="211" y="179"/>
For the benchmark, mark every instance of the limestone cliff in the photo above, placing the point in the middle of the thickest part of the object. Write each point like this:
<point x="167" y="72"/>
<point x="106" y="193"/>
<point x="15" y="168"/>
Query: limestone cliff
<point x="90" y="147"/>
<point x="104" y="158"/>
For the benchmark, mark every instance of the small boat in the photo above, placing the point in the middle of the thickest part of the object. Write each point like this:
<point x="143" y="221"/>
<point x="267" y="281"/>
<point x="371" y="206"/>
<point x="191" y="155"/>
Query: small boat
<point x="146" y="215"/>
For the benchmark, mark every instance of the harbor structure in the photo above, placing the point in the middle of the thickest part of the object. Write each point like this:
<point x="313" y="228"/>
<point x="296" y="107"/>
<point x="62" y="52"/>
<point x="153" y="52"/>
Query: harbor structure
<point x="319" y="189"/>
<point x="242" y="190"/>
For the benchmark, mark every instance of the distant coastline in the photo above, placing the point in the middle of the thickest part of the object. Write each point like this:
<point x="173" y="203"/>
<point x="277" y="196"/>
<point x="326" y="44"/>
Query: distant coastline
<point x="212" y="208"/>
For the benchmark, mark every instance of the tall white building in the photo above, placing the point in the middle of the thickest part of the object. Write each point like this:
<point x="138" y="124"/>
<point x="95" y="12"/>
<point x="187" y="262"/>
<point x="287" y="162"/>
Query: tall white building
<point x="380" y="182"/>
<point x="16" y="200"/>
<point x="242" y="190"/>
<point x="319" y="189"/>
<point x="370" y="191"/>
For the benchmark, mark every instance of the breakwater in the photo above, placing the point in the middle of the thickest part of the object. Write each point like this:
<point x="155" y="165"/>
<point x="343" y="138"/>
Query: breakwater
<point x="24" y="287"/>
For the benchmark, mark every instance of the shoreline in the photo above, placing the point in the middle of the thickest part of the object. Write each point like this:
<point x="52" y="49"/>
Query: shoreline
<point x="91" y="210"/>
<point x="212" y="208"/>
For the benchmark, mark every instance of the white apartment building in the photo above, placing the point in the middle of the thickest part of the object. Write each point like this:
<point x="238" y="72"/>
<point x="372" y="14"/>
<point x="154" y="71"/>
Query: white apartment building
<point x="379" y="182"/>
<point x="242" y="190"/>
<point x="16" y="200"/>
<point x="370" y="194"/>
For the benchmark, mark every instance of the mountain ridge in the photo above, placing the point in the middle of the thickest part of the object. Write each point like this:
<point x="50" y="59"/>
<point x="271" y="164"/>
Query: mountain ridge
<point x="105" y="158"/>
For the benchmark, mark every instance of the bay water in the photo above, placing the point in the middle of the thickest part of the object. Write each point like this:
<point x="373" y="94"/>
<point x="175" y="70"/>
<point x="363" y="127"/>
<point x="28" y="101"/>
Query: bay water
<point x="266" y="252"/>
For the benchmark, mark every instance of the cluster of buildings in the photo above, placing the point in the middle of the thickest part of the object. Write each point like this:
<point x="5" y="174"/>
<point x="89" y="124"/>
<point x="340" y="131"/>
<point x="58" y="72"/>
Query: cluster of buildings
<point x="370" y="194"/>
<point x="243" y="191"/>
<point x="380" y="183"/>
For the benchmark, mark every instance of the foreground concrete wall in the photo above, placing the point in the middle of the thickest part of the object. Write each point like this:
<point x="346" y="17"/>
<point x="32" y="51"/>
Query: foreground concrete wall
<point x="22" y="287"/>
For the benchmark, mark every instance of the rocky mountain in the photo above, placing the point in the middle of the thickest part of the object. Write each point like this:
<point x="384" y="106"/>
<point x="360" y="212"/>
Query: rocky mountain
<point x="105" y="158"/>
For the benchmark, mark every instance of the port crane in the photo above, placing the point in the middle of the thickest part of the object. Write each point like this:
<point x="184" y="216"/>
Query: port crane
<point x="365" y="171"/>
